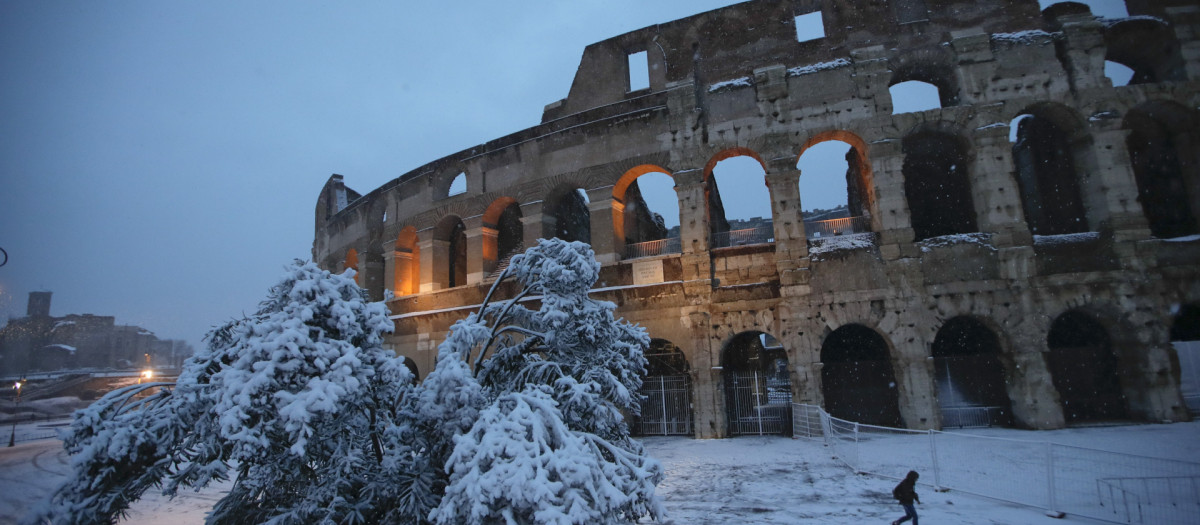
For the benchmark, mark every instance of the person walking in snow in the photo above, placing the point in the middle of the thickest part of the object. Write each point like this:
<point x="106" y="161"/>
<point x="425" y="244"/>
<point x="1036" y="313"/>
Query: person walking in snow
<point x="906" y="493"/>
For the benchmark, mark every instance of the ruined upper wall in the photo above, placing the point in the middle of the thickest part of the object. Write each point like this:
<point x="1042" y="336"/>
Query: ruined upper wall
<point x="731" y="42"/>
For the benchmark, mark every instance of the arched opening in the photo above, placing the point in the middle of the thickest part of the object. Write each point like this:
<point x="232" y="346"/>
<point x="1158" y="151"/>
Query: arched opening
<point x="737" y="197"/>
<point x="667" y="391"/>
<point x="937" y="185"/>
<point x="458" y="185"/>
<point x="570" y="218"/>
<point x="351" y="261"/>
<point x="1046" y="152"/>
<point x="1147" y="48"/>
<point x="503" y="234"/>
<point x="450" y="252"/>
<point x="412" y="367"/>
<point x="912" y="96"/>
<point x="857" y="378"/>
<point x="1084" y="369"/>
<point x="922" y="79"/>
<point x="834" y="187"/>
<point x="1162" y="143"/>
<point x="1185" y="337"/>
<point x="758" y="385"/>
<point x="406" y="277"/>
<point x="969" y="375"/>
<point x="646" y="212"/>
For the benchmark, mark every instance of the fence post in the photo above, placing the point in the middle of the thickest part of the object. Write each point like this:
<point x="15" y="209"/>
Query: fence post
<point x="937" y="473"/>
<point x="1052" y="511"/>
<point x="857" y="453"/>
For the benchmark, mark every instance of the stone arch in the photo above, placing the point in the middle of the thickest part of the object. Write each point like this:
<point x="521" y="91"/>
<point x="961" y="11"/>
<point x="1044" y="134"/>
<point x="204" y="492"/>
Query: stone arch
<point x="1148" y="47"/>
<point x="503" y="233"/>
<point x="567" y="215"/>
<point x="1185" y="338"/>
<point x="1085" y="368"/>
<point x="721" y="232"/>
<point x="442" y="183"/>
<point x="634" y="222"/>
<point x="1163" y="144"/>
<point x="857" y="377"/>
<point x="971" y="374"/>
<point x="937" y="182"/>
<point x="450" y="252"/>
<point x="351" y="261"/>
<point x="667" y="403"/>
<point x="412" y="367"/>
<point x="758" y="388"/>
<point x="933" y="66"/>
<point x="1051" y="153"/>
<point x="406" y="277"/>
<point x="860" y="180"/>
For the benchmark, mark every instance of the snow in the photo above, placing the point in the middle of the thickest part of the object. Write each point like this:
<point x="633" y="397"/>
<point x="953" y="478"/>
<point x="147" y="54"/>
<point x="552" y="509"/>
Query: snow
<point x="1102" y="115"/>
<point x="1066" y="238"/>
<point x="1186" y="238"/>
<point x="730" y="84"/>
<point x="61" y="346"/>
<point x="820" y="66"/>
<point x="748" y="480"/>
<point x="60" y="324"/>
<point x="824" y="247"/>
<point x="1027" y="37"/>
<point x="982" y="239"/>
<point x="993" y="125"/>
<point x="1109" y="22"/>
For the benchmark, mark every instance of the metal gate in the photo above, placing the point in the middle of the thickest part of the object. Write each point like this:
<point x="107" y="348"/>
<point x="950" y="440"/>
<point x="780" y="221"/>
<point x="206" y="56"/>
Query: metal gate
<point x="667" y="407"/>
<point x="757" y="404"/>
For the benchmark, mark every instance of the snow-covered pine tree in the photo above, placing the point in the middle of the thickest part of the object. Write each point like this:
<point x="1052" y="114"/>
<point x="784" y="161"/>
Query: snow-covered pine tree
<point x="296" y="399"/>
<point x="533" y="400"/>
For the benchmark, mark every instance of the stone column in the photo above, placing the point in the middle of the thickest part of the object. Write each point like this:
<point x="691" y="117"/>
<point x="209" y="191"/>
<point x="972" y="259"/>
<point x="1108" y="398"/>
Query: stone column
<point x="892" y="220"/>
<point x="692" y="191"/>
<point x="791" y="241"/>
<point x="425" y="244"/>
<point x="601" y="210"/>
<point x="708" y="401"/>
<point x="995" y="191"/>
<point x="389" y="266"/>
<point x="478" y="236"/>
<point x="403" y="262"/>
<point x="1113" y="189"/>
<point x="1035" y="401"/>
<point x="535" y="224"/>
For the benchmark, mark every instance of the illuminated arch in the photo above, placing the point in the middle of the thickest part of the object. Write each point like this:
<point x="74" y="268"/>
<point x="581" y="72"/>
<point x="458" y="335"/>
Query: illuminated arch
<point x="860" y="198"/>
<point x="629" y="219"/>
<point x="503" y="232"/>
<point x="406" y="279"/>
<point x="351" y="261"/>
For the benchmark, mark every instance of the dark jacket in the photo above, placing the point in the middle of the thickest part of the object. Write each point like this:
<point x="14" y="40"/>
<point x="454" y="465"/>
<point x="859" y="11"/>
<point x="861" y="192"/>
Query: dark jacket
<point x="906" y="491"/>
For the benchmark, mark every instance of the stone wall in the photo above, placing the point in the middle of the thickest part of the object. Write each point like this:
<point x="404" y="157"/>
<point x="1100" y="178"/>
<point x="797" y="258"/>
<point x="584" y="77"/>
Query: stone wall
<point x="735" y="81"/>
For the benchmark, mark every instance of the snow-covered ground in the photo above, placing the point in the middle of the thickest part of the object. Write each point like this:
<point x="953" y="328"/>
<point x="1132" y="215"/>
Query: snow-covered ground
<point x="741" y="480"/>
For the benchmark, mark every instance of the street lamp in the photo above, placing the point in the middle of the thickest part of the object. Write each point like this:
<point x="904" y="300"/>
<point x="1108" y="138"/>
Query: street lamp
<point x="12" y="438"/>
<point x="147" y="375"/>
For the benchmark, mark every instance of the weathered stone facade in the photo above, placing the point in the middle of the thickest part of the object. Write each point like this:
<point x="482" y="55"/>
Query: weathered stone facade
<point x="1101" y="274"/>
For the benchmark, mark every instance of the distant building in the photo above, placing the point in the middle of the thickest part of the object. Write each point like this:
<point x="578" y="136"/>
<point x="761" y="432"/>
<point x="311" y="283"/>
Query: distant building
<point x="40" y="342"/>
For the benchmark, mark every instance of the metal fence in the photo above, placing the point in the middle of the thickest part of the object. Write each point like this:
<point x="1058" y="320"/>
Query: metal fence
<point x="761" y="234"/>
<point x="832" y="227"/>
<point x="1108" y="486"/>
<point x="757" y="404"/>
<point x="666" y="407"/>
<point x="653" y="248"/>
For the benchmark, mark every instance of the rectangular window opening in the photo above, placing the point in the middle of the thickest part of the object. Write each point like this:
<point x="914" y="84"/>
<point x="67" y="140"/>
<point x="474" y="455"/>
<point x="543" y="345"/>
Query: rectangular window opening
<point x="639" y="71"/>
<point x="810" y="26"/>
<point x="908" y="11"/>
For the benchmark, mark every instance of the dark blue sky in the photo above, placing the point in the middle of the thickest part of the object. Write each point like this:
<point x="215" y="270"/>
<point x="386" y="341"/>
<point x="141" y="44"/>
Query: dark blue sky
<point x="160" y="161"/>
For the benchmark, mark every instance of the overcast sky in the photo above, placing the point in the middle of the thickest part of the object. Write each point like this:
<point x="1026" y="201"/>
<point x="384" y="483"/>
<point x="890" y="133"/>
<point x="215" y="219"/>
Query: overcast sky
<point x="160" y="161"/>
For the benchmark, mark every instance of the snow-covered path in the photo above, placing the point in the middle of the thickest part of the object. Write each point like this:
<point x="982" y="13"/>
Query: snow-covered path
<point x="742" y="480"/>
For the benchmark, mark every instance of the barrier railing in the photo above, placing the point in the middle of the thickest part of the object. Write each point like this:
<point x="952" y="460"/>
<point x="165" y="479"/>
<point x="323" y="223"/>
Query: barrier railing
<point x="761" y="234"/>
<point x="652" y="248"/>
<point x="843" y="226"/>
<point x="1093" y="483"/>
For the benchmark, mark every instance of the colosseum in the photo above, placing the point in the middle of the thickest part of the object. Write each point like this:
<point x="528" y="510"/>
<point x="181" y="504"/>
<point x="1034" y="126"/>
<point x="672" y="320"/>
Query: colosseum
<point x="1022" y="252"/>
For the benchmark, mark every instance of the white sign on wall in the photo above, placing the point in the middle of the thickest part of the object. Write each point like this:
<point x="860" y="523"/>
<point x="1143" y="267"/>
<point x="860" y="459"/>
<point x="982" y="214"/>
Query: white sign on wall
<point x="648" y="272"/>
